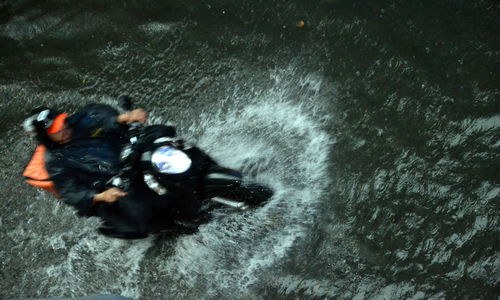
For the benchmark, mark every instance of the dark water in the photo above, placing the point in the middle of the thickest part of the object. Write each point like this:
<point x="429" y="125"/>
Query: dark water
<point x="377" y="123"/>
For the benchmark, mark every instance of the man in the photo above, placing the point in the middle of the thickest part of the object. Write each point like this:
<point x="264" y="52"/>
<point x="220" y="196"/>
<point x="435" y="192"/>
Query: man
<point x="83" y="153"/>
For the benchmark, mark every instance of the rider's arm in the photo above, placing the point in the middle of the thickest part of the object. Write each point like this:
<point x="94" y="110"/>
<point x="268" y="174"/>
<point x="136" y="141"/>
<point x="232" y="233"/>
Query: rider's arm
<point x="108" y="119"/>
<point x="97" y="119"/>
<point x="136" y="115"/>
<point x="108" y="196"/>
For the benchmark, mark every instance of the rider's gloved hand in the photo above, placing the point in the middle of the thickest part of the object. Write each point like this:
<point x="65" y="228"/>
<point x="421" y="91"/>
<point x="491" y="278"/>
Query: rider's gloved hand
<point x="109" y="196"/>
<point x="136" y="115"/>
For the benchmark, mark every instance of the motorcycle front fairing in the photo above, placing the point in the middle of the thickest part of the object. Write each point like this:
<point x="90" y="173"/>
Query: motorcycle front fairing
<point x="177" y="168"/>
<point x="185" y="170"/>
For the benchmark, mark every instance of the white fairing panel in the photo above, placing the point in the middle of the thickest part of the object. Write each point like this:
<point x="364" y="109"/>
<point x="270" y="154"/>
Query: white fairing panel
<point x="169" y="160"/>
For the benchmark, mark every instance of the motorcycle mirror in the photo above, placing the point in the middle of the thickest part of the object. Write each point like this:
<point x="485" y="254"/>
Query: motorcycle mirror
<point x="125" y="102"/>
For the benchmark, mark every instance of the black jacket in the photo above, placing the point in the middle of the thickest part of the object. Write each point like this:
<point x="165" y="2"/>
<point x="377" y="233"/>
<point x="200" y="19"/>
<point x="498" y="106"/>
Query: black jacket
<point x="81" y="167"/>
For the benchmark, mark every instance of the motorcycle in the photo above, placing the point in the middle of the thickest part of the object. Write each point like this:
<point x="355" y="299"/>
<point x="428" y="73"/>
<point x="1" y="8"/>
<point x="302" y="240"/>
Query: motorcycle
<point x="171" y="167"/>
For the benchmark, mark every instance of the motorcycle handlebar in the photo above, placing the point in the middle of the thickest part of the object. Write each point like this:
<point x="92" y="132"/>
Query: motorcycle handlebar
<point x="125" y="102"/>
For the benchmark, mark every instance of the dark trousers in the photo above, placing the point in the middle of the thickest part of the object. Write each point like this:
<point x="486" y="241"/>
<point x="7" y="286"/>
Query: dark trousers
<point x="131" y="216"/>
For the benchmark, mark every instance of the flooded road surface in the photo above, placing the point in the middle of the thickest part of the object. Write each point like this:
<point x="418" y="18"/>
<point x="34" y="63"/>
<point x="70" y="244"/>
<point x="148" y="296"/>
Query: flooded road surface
<point x="376" y="124"/>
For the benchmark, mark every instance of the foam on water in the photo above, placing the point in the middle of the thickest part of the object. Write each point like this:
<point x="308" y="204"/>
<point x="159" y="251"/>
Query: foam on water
<point x="20" y="28"/>
<point x="95" y="259"/>
<point x="155" y="28"/>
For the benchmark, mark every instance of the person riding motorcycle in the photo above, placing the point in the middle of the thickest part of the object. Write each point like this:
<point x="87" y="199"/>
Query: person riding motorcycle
<point x="83" y="154"/>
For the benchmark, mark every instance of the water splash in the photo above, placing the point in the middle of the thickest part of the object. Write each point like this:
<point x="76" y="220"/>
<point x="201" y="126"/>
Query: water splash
<point x="289" y="150"/>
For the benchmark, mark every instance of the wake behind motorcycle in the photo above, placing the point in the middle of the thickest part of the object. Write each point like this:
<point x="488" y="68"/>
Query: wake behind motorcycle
<point x="171" y="167"/>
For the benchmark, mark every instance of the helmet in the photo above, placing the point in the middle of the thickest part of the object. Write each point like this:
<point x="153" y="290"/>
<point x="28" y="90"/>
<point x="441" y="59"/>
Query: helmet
<point x="42" y="120"/>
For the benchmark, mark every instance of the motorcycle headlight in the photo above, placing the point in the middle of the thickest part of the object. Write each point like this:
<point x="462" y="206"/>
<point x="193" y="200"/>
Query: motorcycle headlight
<point x="169" y="160"/>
